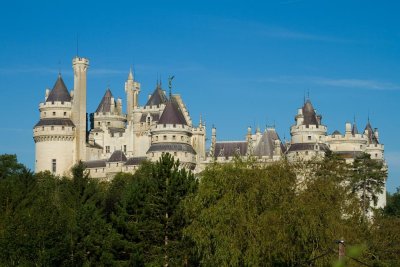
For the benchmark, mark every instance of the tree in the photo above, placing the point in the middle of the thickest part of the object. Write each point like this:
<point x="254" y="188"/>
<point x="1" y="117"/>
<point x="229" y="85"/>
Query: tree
<point x="393" y="204"/>
<point x="150" y="215"/>
<point x="368" y="180"/>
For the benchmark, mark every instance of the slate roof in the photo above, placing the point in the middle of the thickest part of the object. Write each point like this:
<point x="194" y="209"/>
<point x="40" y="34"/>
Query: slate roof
<point x="336" y="132"/>
<point x="230" y="149"/>
<point x="95" y="164"/>
<point x="117" y="156"/>
<point x="105" y="103"/>
<point x="59" y="92"/>
<point x="154" y="117"/>
<point x="55" y="122"/>
<point x="161" y="147"/>
<point x="135" y="160"/>
<point x="172" y="114"/>
<point x="307" y="146"/>
<point x="310" y="118"/>
<point x="354" y="129"/>
<point x="371" y="134"/>
<point x="158" y="97"/>
<point x="266" y="145"/>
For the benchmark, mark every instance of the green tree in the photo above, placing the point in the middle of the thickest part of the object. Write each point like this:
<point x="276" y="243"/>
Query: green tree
<point x="393" y="204"/>
<point x="368" y="180"/>
<point x="149" y="213"/>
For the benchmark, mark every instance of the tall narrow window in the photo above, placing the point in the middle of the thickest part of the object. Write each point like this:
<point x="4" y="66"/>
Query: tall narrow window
<point x="107" y="149"/>
<point x="124" y="148"/>
<point x="53" y="165"/>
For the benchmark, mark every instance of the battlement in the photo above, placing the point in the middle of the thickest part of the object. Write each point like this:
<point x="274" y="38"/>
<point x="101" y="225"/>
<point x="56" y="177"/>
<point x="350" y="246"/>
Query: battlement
<point x="55" y="104"/>
<point x="169" y="127"/>
<point x="80" y="60"/>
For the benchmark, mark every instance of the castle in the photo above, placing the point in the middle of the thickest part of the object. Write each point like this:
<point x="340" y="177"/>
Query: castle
<point x="118" y="142"/>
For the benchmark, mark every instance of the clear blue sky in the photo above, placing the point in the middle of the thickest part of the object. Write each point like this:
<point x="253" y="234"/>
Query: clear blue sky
<point x="238" y="63"/>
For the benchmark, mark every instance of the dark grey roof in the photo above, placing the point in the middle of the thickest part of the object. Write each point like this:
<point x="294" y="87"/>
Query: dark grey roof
<point x="117" y="156"/>
<point x="116" y="130"/>
<point x="336" y="132"/>
<point x="307" y="146"/>
<point x="55" y="122"/>
<point x="154" y="117"/>
<point x="172" y="114"/>
<point x="354" y="129"/>
<point x="266" y="145"/>
<point x="59" y="92"/>
<point x="105" y="103"/>
<point x="158" y="97"/>
<point x="161" y="147"/>
<point x="310" y="118"/>
<point x="230" y="149"/>
<point x="95" y="164"/>
<point x="371" y="134"/>
<point x="135" y="161"/>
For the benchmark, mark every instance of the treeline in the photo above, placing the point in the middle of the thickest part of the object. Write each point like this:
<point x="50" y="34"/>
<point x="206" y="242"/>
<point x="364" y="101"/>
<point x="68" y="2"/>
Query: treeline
<point x="237" y="214"/>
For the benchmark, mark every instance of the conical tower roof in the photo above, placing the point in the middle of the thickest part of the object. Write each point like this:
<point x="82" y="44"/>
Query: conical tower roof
<point x="354" y="129"/>
<point x="371" y="135"/>
<point x="309" y="114"/>
<point x="158" y="97"/>
<point x="59" y="92"/>
<point x="105" y="104"/>
<point x="172" y="114"/>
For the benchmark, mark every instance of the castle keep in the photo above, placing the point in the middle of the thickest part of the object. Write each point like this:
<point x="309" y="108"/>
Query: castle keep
<point x="118" y="142"/>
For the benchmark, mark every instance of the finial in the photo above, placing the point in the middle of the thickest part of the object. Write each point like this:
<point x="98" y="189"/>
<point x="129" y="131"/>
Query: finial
<point x="304" y="96"/>
<point x="170" y="78"/>
<point x="368" y="116"/>
<point x="354" y="119"/>
<point x="200" y="122"/>
<point x="308" y="94"/>
<point x="59" y="68"/>
<point x="130" y="75"/>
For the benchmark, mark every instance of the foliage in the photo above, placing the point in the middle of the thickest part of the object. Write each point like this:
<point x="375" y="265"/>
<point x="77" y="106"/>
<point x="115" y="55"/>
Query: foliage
<point x="367" y="180"/>
<point x="238" y="214"/>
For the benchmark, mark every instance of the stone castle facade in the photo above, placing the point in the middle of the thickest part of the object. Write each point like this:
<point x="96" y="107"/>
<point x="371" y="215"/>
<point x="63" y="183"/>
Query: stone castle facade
<point x="119" y="142"/>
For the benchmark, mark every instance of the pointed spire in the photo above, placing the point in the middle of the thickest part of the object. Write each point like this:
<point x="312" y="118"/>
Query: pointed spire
<point x="59" y="92"/>
<point x="130" y="75"/>
<point x="105" y="104"/>
<point x="200" y="122"/>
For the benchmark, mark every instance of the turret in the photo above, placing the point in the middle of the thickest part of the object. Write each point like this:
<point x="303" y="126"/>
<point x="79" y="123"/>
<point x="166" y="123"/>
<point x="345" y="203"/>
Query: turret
<point x="54" y="133"/>
<point x="132" y="89"/>
<point x="80" y="67"/>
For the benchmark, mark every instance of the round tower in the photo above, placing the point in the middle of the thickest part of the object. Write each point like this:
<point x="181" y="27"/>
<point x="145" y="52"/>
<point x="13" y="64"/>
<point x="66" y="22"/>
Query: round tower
<point x="80" y="66"/>
<point x="308" y="134"/>
<point x="172" y="134"/>
<point x="54" y="133"/>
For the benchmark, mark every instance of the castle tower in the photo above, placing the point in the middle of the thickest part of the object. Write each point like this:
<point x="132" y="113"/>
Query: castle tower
<point x="54" y="134"/>
<point x="132" y="90"/>
<point x="308" y="134"/>
<point x="172" y="134"/>
<point x="109" y="125"/>
<point x="199" y="141"/>
<point x="143" y="119"/>
<point x="80" y="67"/>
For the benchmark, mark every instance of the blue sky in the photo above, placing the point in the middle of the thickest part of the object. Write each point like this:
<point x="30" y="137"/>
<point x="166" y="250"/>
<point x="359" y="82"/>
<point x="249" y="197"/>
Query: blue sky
<point x="237" y="63"/>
